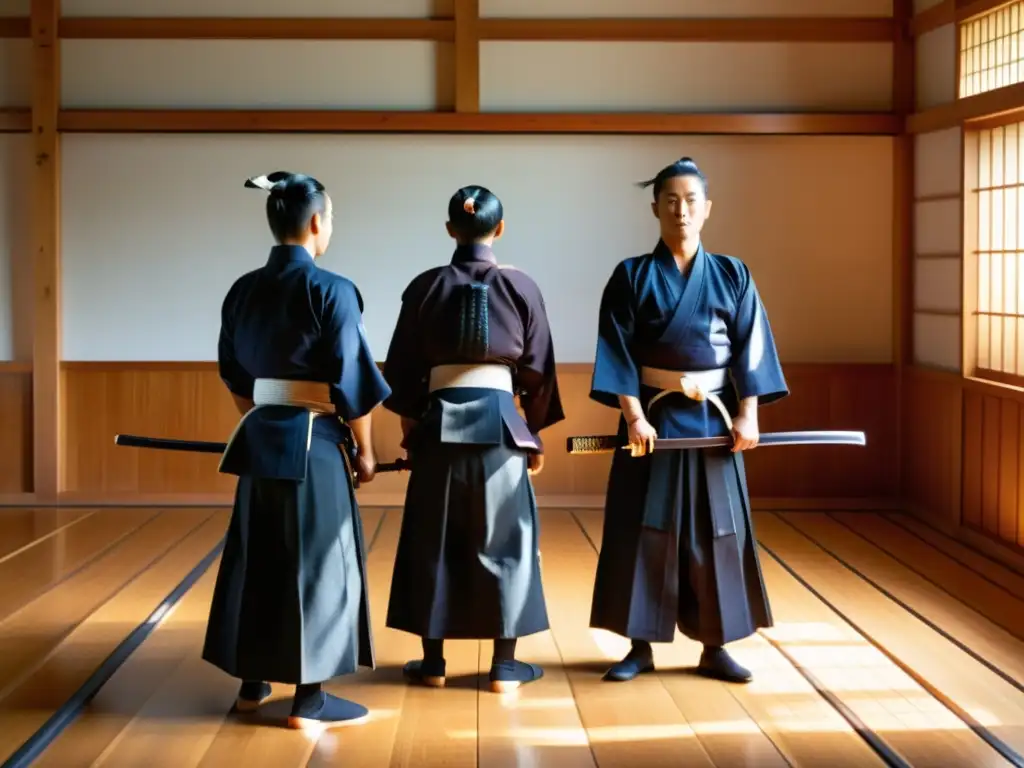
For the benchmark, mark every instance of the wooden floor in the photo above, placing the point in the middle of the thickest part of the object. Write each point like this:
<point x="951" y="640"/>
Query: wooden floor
<point x="892" y="645"/>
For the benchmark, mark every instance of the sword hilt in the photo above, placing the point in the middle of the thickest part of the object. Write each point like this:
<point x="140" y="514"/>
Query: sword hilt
<point x="591" y="444"/>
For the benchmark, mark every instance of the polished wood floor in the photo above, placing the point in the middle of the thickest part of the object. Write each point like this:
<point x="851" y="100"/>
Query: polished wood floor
<point x="893" y="645"/>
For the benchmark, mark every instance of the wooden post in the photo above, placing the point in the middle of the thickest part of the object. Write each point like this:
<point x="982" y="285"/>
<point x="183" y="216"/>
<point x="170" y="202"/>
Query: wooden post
<point x="467" y="56"/>
<point x="444" y="60"/>
<point x="46" y="342"/>
<point x="903" y="97"/>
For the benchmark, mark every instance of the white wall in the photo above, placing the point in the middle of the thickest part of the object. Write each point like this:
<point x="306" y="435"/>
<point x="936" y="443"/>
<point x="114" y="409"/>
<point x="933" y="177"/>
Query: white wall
<point x="936" y="67"/>
<point x="256" y="74"/>
<point x="156" y="227"/>
<point x="938" y="211"/>
<point x="622" y="76"/>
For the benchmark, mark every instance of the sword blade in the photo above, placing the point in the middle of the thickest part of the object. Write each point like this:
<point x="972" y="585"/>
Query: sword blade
<point x="584" y="444"/>
<point x="204" y="446"/>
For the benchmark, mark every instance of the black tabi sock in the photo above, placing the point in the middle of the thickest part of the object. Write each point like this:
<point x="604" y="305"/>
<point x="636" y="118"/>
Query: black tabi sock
<point x="504" y="650"/>
<point x="252" y="690"/>
<point x="641" y="650"/>
<point x="307" y="692"/>
<point x="433" y="650"/>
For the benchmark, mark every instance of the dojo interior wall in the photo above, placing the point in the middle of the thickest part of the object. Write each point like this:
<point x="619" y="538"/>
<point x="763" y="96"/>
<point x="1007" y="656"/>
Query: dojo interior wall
<point x="15" y="267"/>
<point x="152" y="223"/>
<point x="962" y="456"/>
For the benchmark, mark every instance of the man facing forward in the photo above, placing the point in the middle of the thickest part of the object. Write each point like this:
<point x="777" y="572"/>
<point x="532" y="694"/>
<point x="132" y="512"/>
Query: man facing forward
<point x="684" y="350"/>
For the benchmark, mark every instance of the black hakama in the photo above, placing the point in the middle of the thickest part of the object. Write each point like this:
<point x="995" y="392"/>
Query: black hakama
<point x="290" y="603"/>
<point x="468" y="560"/>
<point x="678" y="546"/>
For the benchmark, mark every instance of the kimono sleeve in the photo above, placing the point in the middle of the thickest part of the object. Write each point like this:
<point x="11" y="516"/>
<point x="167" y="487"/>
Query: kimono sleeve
<point x="406" y="368"/>
<point x="755" y="366"/>
<point x="357" y="386"/>
<point x="536" y="375"/>
<point x="615" y="371"/>
<point x="232" y="373"/>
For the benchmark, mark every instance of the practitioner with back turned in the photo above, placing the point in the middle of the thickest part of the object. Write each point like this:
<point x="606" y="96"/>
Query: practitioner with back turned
<point x="470" y="336"/>
<point x="684" y="350"/>
<point x="290" y="603"/>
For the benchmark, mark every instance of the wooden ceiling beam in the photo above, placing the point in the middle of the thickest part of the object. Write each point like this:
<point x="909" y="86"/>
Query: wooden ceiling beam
<point x="442" y="29"/>
<point x="15" y="120"/>
<point x="729" y="30"/>
<point x="89" y="28"/>
<point x="393" y="121"/>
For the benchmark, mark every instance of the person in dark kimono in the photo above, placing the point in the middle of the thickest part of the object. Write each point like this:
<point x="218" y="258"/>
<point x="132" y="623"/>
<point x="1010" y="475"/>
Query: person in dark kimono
<point x="290" y="602"/>
<point x="471" y="335"/>
<point x="684" y="350"/>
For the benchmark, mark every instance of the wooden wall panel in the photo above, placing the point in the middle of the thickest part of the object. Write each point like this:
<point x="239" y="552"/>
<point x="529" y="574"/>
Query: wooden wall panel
<point x="187" y="400"/>
<point x="15" y="428"/>
<point x="931" y="426"/>
<point x="993" y="473"/>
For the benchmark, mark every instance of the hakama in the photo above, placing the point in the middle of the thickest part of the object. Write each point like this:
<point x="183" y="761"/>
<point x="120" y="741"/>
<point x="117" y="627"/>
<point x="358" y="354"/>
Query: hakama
<point x="290" y="603"/>
<point x="470" y="336"/>
<point x="678" y="546"/>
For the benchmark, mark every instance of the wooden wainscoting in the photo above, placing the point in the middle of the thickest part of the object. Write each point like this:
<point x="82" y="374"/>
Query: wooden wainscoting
<point x="15" y="428"/>
<point x="187" y="400"/>
<point x="993" y="474"/>
<point x="963" y="463"/>
<point x="932" y="444"/>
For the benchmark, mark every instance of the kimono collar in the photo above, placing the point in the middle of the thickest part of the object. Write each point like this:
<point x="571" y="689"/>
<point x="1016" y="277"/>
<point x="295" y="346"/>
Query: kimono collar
<point x="474" y="252"/>
<point x="664" y="256"/>
<point x="289" y="254"/>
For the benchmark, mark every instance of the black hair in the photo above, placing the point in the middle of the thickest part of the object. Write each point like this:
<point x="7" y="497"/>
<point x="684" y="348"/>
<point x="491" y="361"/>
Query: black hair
<point x="293" y="200"/>
<point x="474" y="213"/>
<point x="684" y="166"/>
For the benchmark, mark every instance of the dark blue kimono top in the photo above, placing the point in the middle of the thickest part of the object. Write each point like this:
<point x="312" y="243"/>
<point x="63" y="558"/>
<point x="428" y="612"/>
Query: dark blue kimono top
<point x="290" y="319"/>
<point x="653" y="315"/>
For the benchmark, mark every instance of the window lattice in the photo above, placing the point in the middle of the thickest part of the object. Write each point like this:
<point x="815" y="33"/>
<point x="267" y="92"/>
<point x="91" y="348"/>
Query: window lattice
<point x="1000" y="249"/>
<point x="992" y="50"/>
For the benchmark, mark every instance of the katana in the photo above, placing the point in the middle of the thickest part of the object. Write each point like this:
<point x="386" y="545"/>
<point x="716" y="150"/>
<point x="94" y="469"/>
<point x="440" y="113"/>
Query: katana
<point x="203" y="446"/>
<point x="610" y="443"/>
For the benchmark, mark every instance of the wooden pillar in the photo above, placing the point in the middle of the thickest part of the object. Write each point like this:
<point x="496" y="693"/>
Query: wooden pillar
<point x="46" y="346"/>
<point x="903" y="97"/>
<point x="444" y="60"/>
<point x="467" y="56"/>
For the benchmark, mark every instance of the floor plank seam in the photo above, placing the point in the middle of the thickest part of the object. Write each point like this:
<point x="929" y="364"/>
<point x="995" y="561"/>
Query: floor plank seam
<point x="93" y="559"/>
<point x="913" y="611"/>
<point x="755" y="720"/>
<point x="25" y="674"/>
<point x="910" y="567"/>
<point x="889" y="755"/>
<point x="898" y="520"/>
<point x="993" y="741"/>
<point x="873" y="740"/>
<point x="36" y="744"/>
<point x="44" y="537"/>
